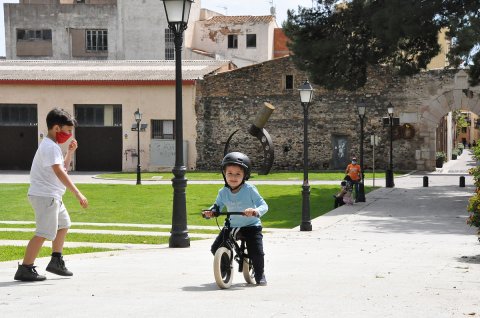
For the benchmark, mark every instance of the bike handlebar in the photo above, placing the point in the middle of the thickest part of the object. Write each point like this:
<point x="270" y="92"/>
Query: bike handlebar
<point x="217" y="214"/>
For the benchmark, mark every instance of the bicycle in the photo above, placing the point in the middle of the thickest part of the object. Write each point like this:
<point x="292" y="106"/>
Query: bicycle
<point x="228" y="251"/>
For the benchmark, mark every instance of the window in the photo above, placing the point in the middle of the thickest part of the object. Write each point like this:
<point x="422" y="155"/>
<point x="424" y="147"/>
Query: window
<point x="232" y="41"/>
<point x="96" y="40"/>
<point x="18" y="115"/>
<point x="288" y="81"/>
<point x="251" y="40"/>
<point x="32" y="35"/>
<point x="163" y="129"/>
<point x="169" y="45"/>
<point x="99" y="115"/>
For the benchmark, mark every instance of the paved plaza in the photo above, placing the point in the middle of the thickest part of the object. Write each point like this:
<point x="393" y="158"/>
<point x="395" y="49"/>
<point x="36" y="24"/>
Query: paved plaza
<point x="406" y="252"/>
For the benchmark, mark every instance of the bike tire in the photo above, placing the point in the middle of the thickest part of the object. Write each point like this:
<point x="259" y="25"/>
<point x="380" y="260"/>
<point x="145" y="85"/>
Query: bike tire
<point x="248" y="272"/>
<point x="223" y="267"/>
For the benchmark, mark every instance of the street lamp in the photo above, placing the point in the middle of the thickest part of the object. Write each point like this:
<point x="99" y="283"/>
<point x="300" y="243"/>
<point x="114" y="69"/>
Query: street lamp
<point x="306" y="94"/>
<point x="138" y="119"/>
<point x="361" y="107"/>
<point x="389" y="173"/>
<point x="177" y="12"/>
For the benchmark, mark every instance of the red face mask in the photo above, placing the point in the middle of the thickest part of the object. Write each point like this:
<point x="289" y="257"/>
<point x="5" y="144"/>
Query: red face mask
<point x="62" y="137"/>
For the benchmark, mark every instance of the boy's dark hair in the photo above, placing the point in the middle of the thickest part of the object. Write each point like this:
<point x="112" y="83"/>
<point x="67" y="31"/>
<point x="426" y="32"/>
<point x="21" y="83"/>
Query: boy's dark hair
<point x="59" y="117"/>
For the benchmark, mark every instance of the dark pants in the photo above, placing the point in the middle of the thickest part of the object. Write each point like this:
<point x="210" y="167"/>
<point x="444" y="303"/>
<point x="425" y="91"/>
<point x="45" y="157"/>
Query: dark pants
<point x="338" y="202"/>
<point x="254" y="239"/>
<point x="356" y="185"/>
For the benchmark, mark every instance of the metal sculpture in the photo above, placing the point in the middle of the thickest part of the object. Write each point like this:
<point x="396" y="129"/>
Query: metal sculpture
<point x="257" y="130"/>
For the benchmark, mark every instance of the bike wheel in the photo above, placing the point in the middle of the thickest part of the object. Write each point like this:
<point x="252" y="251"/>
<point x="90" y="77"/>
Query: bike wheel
<point x="248" y="272"/>
<point x="223" y="267"/>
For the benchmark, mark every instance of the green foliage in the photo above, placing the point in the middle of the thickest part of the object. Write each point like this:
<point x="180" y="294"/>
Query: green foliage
<point x="460" y="121"/>
<point x="476" y="152"/>
<point x="336" y="43"/>
<point x="440" y="155"/>
<point x="474" y="201"/>
<point x="463" y="20"/>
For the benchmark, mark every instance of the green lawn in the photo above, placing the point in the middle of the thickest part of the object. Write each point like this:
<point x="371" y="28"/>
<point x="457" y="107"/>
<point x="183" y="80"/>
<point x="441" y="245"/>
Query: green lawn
<point x="10" y="253"/>
<point x="94" y="238"/>
<point x="280" y="175"/>
<point x="147" y="204"/>
<point x="152" y="204"/>
<point x="110" y="227"/>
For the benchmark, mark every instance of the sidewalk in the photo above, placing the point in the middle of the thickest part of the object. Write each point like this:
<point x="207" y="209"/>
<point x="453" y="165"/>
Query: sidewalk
<point x="406" y="252"/>
<point x="91" y="177"/>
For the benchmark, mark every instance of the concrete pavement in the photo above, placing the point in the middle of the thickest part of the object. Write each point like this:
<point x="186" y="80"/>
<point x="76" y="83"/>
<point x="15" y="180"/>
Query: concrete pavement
<point x="406" y="252"/>
<point x="92" y="177"/>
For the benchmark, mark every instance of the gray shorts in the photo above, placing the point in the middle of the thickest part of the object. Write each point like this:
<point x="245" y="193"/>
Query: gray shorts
<point x="50" y="216"/>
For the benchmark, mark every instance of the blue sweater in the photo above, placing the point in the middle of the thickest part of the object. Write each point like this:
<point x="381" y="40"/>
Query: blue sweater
<point x="247" y="197"/>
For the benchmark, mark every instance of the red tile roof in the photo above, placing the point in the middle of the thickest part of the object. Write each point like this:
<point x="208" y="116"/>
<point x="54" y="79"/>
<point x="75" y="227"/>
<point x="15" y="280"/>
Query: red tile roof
<point x="280" y="41"/>
<point x="240" y="19"/>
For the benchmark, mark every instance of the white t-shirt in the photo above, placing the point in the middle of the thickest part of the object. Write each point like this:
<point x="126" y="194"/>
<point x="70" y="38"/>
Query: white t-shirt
<point x="43" y="180"/>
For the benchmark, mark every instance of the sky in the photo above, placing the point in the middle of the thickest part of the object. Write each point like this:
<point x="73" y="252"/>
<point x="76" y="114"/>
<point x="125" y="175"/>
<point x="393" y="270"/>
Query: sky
<point x="2" y="26"/>
<point x="232" y="7"/>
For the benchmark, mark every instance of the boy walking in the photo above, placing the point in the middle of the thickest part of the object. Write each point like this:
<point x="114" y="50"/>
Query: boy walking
<point x="48" y="182"/>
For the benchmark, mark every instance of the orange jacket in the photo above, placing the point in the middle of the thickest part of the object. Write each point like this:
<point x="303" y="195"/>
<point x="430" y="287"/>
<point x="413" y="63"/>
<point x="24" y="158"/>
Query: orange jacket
<point x="353" y="170"/>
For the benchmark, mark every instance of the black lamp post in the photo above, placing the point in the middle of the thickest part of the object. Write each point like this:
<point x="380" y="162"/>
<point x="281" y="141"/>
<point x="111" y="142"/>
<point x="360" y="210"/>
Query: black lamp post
<point x="361" y="106"/>
<point x="306" y="94"/>
<point x="389" y="173"/>
<point x="138" y="119"/>
<point x="177" y="12"/>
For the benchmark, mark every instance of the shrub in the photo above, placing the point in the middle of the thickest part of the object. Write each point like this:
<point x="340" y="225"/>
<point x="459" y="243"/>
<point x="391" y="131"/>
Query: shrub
<point x="474" y="202"/>
<point x="441" y="155"/>
<point x="474" y="209"/>
<point x="476" y="152"/>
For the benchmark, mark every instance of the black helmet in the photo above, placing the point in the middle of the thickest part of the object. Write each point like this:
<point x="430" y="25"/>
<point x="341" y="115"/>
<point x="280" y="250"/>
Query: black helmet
<point x="237" y="158"/>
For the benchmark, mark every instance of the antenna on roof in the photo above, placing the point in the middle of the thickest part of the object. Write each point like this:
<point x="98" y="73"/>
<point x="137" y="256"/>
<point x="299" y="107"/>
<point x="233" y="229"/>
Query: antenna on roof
<point x="272" y="8"/>
<point x="224" y="8"/>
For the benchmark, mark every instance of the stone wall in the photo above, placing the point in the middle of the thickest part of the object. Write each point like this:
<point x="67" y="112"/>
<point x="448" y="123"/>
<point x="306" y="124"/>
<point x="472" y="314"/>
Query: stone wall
<point x="229" y="101"/>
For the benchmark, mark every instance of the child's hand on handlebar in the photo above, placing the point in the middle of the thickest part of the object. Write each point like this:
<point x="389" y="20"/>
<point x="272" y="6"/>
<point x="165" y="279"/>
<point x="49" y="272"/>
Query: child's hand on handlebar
<point x="208" y="214"/>
<point x="250" y="212"/>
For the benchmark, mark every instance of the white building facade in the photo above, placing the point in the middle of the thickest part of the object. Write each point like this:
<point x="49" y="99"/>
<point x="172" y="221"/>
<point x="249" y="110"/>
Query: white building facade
<point x="103" y="96"/>
<point x="92" y="29"/>
<point x="245" y="40"/>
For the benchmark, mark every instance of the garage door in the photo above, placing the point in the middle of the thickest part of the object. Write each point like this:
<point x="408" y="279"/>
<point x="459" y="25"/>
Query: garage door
<point x="100" y="148"/>
<point x="18" y="131"/>
<point x="99" y="136"/>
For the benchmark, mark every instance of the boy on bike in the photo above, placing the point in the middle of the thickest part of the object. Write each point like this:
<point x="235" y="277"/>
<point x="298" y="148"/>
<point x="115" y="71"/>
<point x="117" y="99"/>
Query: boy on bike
<point x="238" y="196"/>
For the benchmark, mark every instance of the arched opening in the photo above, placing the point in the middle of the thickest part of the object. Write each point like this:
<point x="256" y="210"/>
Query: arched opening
<point x="450" y="118"/>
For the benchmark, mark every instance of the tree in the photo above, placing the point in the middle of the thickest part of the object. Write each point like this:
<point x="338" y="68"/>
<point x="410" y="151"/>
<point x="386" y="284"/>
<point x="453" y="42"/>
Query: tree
<point x="460" y="120"/>
<point x="336" y="42"/>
